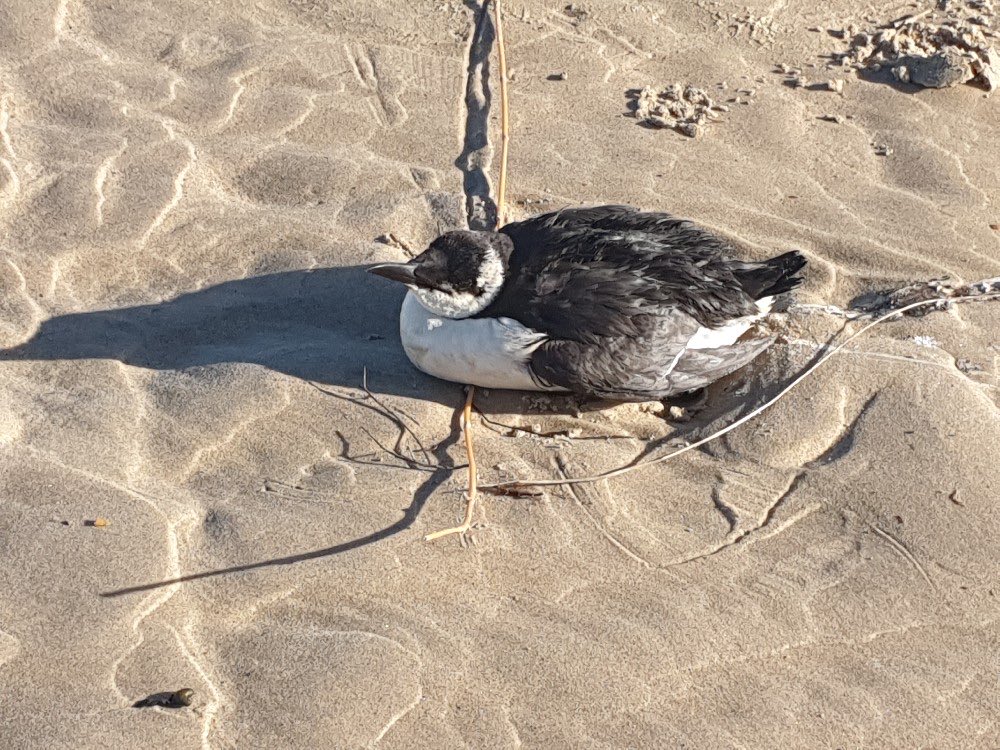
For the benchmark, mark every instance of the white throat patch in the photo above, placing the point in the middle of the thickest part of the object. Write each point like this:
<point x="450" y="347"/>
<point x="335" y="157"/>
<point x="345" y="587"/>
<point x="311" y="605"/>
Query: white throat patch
<point x="463" y="304"/>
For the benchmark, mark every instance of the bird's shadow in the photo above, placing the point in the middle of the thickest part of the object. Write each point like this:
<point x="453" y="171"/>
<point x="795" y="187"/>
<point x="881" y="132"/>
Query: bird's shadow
<point x="323" y="325"/>
<point x="326" y="325"/>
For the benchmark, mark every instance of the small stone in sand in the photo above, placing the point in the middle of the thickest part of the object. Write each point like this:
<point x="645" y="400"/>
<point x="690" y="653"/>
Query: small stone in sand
<point x="183" y="697"/>
<point x="967" y="366"/>
<point x="390" y="239"/>
<point x="178" y="699"/>
<point x="99" y="523"/>
<point x="882" y="150"/>
<point x="678" y="414"/>
<point x="832" y="118"/>
<point x="987" y="69"/>
<point x="836" y="85"/>
<point x="561" y="76"/>
<point x="947" y="68"/>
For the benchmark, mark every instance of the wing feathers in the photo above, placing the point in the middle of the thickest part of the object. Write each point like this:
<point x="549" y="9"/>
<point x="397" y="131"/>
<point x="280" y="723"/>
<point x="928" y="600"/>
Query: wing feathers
<point x="636" y="305"/>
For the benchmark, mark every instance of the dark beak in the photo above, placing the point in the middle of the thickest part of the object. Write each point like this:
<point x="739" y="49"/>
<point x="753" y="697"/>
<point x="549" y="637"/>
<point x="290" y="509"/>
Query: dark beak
<point x="401" y="272"/>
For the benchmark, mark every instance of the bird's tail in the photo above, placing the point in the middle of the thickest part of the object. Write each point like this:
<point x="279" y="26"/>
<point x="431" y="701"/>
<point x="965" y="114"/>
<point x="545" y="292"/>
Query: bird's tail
<point x="772" y="277"/>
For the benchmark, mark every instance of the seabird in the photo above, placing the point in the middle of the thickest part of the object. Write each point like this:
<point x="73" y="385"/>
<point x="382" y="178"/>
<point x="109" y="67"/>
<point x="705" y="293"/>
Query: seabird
<point x="605" y="301"/>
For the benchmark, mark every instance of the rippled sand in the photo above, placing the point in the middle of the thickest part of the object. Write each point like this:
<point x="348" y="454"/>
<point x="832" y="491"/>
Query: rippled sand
<point x="189" y="193"/>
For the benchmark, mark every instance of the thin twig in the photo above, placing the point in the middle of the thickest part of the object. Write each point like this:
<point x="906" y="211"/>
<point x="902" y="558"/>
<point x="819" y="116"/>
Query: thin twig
<point x="504" y="118"/>
<point x="470" y="505"/>
<point x="393" y="415"/>
<point x="517" y="484"/>
<point x="409" y="461"/>
<point x="901" y="549"/>
<point x="399" y="420"/>
<point x="515" y="431"/>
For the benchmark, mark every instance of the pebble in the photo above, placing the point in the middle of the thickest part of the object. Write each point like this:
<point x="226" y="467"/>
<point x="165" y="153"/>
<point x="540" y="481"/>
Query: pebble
<point x="989" y="69"/>
<point x="947" y="68"/>
<point x="183" y="697"/>
<point x="967" y="366"/>
<point x="178" y="699"/>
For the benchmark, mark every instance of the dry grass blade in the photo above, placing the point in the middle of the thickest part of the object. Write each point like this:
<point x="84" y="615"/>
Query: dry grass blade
<point x="504" y="118"/>
<point x="470" y="505"/>
<point x="520" y="484"/>
<point x="394" y="414"/>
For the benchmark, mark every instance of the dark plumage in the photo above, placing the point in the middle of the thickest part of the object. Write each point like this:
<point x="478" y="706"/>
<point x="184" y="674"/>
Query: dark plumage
<point x="624" y="263"/>
<point x="621" y="290"/>
<point x="611" y="302"/>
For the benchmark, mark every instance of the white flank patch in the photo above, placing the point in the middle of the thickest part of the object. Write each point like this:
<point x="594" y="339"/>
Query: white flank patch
<point x="764" y="304"/>
<point x="729" y="334"/>
<point x="488" y="352"/>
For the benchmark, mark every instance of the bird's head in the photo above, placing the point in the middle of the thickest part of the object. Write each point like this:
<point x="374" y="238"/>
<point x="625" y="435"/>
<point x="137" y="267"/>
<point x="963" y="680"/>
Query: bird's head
<point x="458" y="275"/>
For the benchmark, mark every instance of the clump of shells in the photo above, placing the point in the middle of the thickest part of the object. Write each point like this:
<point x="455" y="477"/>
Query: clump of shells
<point x="686" y="109"/>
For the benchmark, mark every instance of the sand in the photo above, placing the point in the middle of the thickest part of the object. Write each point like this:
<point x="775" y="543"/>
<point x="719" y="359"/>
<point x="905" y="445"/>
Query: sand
<point x="189" y="194"/>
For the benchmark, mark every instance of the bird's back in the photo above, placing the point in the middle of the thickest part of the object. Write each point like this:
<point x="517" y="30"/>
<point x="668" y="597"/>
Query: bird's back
<point x="635" y="305"/>
<point x="590" y="271"/>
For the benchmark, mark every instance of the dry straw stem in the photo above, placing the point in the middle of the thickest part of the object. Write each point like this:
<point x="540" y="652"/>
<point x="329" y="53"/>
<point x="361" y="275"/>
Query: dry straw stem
<point x="518" y="484"/>
<point x="470" y="505"/>
<point x="504" y="118"/>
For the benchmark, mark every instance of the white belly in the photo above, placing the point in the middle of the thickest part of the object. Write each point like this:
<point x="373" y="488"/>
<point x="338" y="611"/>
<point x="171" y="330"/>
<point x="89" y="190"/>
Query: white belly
<point x="488" y="352"/>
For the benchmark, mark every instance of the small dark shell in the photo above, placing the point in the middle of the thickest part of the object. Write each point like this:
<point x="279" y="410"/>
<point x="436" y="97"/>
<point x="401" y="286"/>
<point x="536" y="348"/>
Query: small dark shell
<point x="183" y="697"/>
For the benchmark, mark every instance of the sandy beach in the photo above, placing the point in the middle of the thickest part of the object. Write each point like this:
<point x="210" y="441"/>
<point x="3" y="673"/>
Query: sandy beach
<point x="189" y="196"/>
